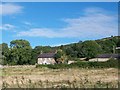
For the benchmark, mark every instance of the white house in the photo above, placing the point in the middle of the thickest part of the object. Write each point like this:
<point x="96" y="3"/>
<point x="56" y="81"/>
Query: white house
<point x="46" y="58"/>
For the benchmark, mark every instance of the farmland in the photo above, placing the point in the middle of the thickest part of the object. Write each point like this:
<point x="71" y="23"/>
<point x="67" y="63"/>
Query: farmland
<point x="32" y="77"/>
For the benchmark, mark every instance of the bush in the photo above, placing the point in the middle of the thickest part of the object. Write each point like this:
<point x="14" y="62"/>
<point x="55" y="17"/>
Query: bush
<point x="40" y="66"/>
<point x="112" y="63"/>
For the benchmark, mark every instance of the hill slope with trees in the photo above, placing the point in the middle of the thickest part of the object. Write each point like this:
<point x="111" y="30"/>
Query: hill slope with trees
<point x="20" y="52"/>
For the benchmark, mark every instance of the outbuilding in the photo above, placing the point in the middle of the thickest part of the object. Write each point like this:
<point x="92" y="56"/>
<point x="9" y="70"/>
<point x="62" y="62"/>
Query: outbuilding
<point x="105" y="57"/>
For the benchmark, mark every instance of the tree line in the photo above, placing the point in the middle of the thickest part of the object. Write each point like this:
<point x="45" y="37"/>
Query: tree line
<point x="20" y="52"/>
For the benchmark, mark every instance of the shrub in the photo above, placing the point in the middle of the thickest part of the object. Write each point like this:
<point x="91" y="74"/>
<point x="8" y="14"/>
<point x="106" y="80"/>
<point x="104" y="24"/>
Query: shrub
<point x="112" y="63"/>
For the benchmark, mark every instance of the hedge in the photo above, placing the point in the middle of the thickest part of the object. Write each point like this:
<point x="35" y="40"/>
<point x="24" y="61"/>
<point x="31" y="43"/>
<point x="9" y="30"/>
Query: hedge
<point x="112" y="63"/>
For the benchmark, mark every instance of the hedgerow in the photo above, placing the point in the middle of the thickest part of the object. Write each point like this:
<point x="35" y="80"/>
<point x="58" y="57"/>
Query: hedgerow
<point x="112" y="63"/>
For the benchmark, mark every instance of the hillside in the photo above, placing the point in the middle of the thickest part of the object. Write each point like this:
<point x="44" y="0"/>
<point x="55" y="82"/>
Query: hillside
<point x="20" y="51"/>
<point x="106" y="45"/>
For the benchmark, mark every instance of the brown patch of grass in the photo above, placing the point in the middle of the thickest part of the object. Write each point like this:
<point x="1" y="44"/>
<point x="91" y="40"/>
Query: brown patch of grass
<point x="31" y="77"/>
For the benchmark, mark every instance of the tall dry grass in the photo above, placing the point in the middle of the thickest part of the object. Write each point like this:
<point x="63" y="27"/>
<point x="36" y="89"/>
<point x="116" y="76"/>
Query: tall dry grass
<point x="31" y="77"/>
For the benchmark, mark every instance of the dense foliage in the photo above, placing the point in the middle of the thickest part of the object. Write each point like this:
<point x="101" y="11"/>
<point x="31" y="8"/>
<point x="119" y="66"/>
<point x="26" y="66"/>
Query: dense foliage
<point x="20" y="51"/>
<point x="90" y="49"/>
<point x="60" y="56"/>
<point x="0" y="54"/>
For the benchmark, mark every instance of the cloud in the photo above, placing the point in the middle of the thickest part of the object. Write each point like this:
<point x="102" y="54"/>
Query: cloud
<point x="53" y="45"/>
<point x="8" y="9"/>
<point x="95" y="23"/>
<point x="7" y="27"/>
<point x="94" y="10"/>
<point x="27" y="23"/>
<point x="43" y="32"/>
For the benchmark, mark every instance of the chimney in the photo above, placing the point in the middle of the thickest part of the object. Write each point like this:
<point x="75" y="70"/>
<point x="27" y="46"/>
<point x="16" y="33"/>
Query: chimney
<point x="41" y="52"/>
<point x="56" y="51"/>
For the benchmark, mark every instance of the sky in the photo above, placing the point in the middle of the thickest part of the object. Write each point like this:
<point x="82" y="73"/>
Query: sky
<point x="60" y="23"/>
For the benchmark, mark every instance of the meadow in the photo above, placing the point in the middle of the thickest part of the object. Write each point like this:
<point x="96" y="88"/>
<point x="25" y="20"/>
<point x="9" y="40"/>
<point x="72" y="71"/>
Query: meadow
<point x="43" y="77"/>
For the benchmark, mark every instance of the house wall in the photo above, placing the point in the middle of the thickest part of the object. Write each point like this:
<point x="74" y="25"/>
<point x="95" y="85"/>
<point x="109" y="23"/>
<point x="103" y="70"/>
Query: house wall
<point x="99" y="59"/>
<point x="82" y="58"/>
<point x="70" y="62"/>
<point x="46" y="61"/>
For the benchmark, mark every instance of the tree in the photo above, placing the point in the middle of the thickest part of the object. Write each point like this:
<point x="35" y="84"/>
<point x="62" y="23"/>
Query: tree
<point x="20" y="52"/>
<point x="1" y="54"/>
<point x="60" y="56"/>
<point x="5" y="53"/>
<point x="107" y="45"/>
<point x="19" y="43"/>
<point x="90" y="49"/>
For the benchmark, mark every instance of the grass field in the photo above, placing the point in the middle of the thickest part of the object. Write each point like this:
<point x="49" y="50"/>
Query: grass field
<point x="31" y="77"/>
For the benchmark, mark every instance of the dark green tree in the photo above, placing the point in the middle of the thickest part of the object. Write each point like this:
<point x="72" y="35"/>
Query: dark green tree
<point x="5" y="53"/>
<point x="20" y="52"/>
<point x="90" y="49"/>
<point x="1" y="56"/>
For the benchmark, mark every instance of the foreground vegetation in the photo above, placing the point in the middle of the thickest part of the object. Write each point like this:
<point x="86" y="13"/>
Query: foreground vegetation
<point x="112" y="63"/>
<point x="43" y="77"/>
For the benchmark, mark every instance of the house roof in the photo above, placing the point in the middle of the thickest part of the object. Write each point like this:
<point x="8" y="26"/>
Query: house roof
<point x="108" y="56"/>
<point x="46" y="55"/>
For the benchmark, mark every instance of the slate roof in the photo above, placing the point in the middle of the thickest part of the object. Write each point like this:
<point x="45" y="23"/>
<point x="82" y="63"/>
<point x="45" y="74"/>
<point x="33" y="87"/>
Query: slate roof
<point x="109" y="56"/>
<point x="46" y="55"/>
